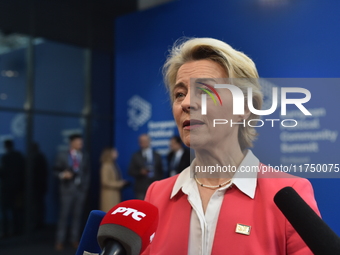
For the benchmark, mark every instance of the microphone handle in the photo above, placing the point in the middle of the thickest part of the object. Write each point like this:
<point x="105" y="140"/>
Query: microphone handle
<point x="112" y="247"/>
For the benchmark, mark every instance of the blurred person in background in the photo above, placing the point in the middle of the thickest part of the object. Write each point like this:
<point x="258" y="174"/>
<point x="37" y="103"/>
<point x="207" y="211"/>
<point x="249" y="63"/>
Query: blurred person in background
<point x="40" y="173"/>
<point x="110" y="179"/>
<point x="178" y="158"/>
<point x="12" y="177"/>
<point x="72" y="169"/>
<point x="145" y="166"/>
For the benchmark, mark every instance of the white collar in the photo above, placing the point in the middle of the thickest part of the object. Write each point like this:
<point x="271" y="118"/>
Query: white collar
<point x="245" y="181"/>
<point x="73" y="152"/>
<point x="179" y="152"/>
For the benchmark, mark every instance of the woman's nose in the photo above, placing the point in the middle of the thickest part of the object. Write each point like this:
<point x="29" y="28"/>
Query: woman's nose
<point x="189" y="103"/>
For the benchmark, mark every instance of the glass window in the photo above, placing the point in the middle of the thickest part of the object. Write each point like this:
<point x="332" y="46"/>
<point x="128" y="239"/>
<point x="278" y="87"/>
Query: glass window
<point x="59" y="77"/>
<point x="13" y="68"/>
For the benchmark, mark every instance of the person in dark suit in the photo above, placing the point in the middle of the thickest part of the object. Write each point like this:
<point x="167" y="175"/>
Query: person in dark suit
<point x="73" y="171"/>
<point x="145" y="166"/>
<point x="12" y="178"/>
<point x="178" y="157"/>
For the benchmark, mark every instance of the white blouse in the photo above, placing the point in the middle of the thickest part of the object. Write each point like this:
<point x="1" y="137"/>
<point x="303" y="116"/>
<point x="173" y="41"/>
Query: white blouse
<point x="202" y="226"/>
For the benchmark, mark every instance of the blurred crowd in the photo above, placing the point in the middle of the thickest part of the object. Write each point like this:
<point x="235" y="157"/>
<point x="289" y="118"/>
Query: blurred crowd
<point x="72" y="169"/>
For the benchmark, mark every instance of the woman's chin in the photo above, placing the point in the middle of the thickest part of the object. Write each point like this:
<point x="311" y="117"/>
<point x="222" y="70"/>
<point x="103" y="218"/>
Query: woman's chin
<point x="196" y="142"/>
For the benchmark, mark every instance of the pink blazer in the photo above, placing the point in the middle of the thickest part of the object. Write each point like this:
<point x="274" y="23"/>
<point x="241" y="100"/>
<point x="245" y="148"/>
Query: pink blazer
<point x="271" y="233"/>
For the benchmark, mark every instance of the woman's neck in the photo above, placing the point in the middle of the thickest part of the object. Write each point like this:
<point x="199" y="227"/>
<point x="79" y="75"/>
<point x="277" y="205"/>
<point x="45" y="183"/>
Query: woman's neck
<point x="215" y="166"/>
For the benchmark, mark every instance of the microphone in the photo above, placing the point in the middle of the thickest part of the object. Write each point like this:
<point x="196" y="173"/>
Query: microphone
<point x="88" y="243"/>
<point x="318" y="236"/>
<point x="128" y="228"/>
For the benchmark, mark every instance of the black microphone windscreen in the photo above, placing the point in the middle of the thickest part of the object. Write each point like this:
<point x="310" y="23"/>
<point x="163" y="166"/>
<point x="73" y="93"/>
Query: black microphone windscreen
<point x="318" y="236"/>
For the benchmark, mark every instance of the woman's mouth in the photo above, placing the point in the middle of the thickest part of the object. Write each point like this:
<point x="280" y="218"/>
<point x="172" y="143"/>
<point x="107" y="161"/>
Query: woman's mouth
<point x="191" y="124"/>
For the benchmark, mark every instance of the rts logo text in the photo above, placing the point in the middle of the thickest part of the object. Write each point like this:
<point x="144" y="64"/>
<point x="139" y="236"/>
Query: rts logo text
<point x="136" y="215"/>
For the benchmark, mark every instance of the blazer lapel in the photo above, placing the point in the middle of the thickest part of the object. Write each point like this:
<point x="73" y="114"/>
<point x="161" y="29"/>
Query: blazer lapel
<point x="236" y="209"/>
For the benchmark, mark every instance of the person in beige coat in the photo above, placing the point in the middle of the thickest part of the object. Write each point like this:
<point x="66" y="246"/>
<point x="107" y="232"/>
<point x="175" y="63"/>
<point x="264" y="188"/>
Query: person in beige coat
<point x="111" y="182"/>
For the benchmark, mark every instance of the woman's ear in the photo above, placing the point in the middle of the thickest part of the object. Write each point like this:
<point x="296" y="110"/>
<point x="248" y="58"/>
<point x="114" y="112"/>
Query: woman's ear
<point x="246" y="113"/>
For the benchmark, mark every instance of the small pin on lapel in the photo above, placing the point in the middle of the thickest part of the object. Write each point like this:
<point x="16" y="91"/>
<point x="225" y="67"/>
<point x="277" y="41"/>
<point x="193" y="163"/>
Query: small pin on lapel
<point x="242" y="229"/>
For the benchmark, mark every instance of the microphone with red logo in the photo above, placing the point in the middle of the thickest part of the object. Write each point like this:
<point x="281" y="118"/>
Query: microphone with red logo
<point x="128" y="228"/>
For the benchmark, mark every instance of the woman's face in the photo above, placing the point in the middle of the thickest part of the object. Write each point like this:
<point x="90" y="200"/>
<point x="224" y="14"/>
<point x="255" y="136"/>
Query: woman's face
<point x="114" y="154"/>
<point x="197" y="130"/>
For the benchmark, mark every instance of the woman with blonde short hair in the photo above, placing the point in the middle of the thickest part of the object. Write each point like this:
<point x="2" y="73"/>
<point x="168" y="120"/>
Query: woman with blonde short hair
<point x="213" y="206"/>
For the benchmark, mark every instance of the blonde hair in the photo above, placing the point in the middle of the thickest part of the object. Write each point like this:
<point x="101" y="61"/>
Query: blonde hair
<point x="106" y="155"/>
<point x="235" y="63"/>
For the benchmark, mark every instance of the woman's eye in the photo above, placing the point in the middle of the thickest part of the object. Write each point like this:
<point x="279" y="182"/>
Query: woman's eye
<point x="179" y="95"/>
<point x="204" y="90"/>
